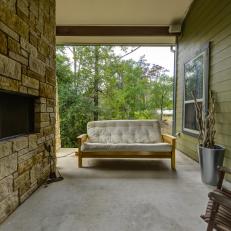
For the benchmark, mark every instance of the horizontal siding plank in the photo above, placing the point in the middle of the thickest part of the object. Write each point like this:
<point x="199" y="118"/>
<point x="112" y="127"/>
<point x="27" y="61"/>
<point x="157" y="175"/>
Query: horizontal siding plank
<point x="191" y="153"/>
<point x="215" y="27"/>
<point x="227" y="163"/>
<point x="195" y="12"/>
<point x="212" y="16"/>
<point x="224" y="107"/>
<point x="225" y="97"/>
<point x="188" y="138"/>
<point x="223" y="117"/>
<point x="210" y="31"/>
<point x="221" y="66"/>
<point x="221" y="87"/>
<point x="202" y="17"/>
<point x="222" y="55"/>
<point x="221" y="45"/>
<point x="223" y="140"/>
<point x="220" y="76"/>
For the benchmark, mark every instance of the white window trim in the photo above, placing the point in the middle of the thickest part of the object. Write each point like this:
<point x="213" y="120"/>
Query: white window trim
<point x="205" y="76"/>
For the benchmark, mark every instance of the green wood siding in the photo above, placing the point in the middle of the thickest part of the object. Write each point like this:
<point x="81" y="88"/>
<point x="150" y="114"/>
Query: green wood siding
<point x="207" y="21"/>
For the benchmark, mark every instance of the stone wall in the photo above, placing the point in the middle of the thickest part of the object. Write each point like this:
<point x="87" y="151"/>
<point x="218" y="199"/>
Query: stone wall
<point x="27" y="65"/>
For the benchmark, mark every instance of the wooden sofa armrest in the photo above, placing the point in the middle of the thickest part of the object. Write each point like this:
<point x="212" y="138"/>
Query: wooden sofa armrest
<point x="81" y="139"/>
<point x="169" y="139"/>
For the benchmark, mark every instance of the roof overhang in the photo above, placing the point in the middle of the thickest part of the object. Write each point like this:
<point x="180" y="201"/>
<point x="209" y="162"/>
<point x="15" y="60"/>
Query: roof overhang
<point x="118" y="22"/>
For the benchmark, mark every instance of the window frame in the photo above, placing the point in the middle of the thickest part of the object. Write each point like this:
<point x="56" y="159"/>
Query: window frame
<point x="204" y="51"/>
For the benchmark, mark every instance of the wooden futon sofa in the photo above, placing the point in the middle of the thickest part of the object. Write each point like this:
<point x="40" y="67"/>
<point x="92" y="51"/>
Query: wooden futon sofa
<point x="125" y="139"/>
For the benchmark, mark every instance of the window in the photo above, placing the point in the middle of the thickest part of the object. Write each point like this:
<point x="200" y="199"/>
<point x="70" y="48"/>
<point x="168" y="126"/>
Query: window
<point x="195" y="81"/>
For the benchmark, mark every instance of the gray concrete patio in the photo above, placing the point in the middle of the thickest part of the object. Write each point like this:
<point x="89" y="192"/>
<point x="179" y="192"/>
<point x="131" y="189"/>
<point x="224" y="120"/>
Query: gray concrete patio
<point x="116" y="195"/>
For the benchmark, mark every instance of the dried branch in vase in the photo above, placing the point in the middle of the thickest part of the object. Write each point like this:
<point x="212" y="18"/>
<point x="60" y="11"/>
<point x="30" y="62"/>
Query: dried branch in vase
<point x="205" y="122"/>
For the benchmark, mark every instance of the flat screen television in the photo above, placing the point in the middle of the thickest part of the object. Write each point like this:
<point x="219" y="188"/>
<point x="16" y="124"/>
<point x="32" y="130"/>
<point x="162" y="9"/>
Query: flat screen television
<point x="16" y="114"/>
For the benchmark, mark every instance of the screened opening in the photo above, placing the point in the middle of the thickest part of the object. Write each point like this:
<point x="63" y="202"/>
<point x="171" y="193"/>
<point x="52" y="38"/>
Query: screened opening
<point x="106" y="82"/>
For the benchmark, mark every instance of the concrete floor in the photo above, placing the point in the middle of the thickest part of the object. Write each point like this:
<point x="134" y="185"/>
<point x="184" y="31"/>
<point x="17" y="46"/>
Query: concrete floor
<point x="116" y="195"/>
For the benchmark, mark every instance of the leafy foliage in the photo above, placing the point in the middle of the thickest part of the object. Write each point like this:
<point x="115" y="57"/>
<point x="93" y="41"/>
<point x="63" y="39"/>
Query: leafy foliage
<point x="96" y="83"/>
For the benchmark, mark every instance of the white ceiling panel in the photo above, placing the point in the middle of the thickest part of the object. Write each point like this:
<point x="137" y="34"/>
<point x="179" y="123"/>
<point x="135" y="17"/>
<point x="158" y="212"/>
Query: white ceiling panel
<point x="120" y="12"/>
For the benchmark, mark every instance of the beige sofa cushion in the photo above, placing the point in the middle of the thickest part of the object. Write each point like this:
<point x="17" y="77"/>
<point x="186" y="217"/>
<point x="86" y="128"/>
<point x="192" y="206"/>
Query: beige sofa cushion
<point x="99" y="147"/>
<point x="124" y="131"/>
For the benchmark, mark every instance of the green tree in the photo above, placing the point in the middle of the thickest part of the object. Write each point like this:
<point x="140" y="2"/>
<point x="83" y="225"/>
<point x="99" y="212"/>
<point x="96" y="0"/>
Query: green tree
<point x="95" y="83"/>
<point x="161" y="94"/>
<point x="75" y="107"/>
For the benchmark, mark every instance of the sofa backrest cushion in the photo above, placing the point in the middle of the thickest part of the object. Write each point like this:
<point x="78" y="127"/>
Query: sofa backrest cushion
<point x="124" y="131"/>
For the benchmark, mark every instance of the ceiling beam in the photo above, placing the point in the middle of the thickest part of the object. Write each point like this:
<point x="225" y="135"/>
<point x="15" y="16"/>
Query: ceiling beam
<point x="113" y="31"/>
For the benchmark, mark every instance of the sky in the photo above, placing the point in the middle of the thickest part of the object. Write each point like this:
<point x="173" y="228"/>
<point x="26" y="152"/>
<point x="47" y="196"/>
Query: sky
<point x="154" y="55"/>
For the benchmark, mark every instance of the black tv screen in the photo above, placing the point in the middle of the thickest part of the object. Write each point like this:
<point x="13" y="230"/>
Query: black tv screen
<point x="16" y="114"/>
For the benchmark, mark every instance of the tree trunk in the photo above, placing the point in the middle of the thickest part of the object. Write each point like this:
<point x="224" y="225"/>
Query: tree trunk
<point x="96" y="84"/>
<point x="161" y="108"/>
<point x="75" y="68"/>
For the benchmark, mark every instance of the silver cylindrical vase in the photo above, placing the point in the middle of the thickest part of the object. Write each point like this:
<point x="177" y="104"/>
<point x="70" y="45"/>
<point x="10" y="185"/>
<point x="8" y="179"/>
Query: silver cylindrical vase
<point x="210" y="159"/>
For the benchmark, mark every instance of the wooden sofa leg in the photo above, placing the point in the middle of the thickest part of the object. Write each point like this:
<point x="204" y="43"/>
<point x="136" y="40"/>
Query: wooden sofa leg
<point x="173" y="161"/>
<point x="80" y="161"/>
<point x="80" y="164"/>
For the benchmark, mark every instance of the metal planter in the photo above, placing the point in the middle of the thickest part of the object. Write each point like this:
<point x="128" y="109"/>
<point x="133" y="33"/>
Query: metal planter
<point x="209" y="160"/>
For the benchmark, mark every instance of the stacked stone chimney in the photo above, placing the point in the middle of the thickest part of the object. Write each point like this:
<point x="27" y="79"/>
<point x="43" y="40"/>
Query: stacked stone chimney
<point x="27" y="65"/>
